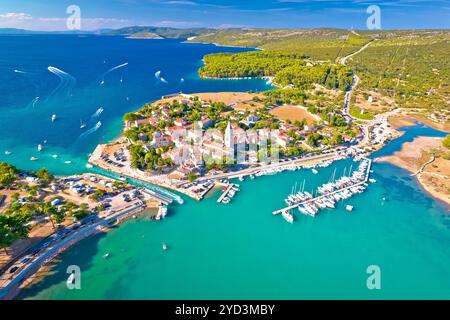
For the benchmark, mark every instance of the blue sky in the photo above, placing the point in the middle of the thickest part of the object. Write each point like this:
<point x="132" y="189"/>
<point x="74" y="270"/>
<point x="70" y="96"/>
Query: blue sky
<point x="95" y="14"/>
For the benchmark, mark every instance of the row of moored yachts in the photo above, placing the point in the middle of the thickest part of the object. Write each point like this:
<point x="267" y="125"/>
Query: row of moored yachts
<point x="328" y="194"/>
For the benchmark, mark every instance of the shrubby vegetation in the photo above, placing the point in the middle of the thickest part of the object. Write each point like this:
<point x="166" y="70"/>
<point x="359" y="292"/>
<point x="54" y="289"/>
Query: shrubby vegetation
<point x="248" y="64"/>
<point x="287" y="68"/>
<point x="149" y="160"/>
<point x="7" y="174"/>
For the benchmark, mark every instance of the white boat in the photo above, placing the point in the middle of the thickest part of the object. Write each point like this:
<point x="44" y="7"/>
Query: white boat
<point x="288" y="216"/>
<point x="89" y="166"/>
<point x="68" y="162"/>
<point x="39" y="147"/>
<point x="372" y="180"/>
<point x="106" y="255"/>
<point x="7" y="152"/>
<point x="241" y="178"/>
<point x="349" y="207"/>
<point x="164" y="246"/>
<point x="33" y="159"/>
<point x="122" y="178"/>
<point x="54" y="156"/>
<point x="302" y="210"/>
<point x="82" y="125"/>
<point x="53" y="117"/>
<point x="314" y="171"/>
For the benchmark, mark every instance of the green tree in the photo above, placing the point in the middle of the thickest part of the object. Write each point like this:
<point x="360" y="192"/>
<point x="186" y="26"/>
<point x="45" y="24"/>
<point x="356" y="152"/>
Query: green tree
<point x="7" y="174"/>
<point x="45" y="177"/>
<point x="192" y="176"/>
<point x="446" y="142"/>
<point x="130" y="116"/>
<point x="13" y="227"/>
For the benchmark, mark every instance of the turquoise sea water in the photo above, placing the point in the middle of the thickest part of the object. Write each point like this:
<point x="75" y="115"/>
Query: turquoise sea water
<point x="239" y="250"/>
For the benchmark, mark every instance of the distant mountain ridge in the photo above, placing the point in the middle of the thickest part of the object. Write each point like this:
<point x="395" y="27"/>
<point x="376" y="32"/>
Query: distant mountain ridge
<point x="163" y="32"/>
<point x="132" y="32"/>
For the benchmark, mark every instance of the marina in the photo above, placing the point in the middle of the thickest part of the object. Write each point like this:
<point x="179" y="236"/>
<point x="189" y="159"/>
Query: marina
<point x="328" y="194"/>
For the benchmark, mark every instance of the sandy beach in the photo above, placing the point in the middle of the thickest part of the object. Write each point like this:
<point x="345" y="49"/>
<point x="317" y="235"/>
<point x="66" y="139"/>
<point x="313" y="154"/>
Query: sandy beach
<point x="423" y="158"/>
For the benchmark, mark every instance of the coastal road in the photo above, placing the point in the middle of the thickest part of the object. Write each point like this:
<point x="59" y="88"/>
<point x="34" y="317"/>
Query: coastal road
<point x="355" y="83"/>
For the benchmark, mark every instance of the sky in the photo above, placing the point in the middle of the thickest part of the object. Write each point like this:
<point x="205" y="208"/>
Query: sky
<point x="52" y="15"/>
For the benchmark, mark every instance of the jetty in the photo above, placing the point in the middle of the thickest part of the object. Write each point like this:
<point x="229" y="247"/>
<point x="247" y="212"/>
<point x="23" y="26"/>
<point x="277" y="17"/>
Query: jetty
<point x="224" y="194"/>
<point x="325" y="195"/>
<point x="229" y="192"/>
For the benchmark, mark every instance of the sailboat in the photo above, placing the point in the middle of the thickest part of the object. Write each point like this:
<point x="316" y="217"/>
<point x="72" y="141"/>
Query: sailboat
<point x="39" y="147"/>
<point x="53" y="117"/>
<point x="82" y="125"/>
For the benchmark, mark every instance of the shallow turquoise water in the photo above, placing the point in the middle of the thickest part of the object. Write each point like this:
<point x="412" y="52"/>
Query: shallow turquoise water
<point x="236" y="251"/>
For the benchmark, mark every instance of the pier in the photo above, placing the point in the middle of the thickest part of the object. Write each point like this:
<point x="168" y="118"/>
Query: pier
<point x="366" y="178"/>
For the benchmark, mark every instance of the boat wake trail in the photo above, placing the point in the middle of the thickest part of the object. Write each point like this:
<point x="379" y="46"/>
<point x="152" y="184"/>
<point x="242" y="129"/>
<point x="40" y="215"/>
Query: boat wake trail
<point x="66" y="83"/>
<point x="34" y="101"/>
<point x="92" y="130"/>
<point x="159" y="78"/>
<point x="20" y="71"/>
<point x="111" y="70"/>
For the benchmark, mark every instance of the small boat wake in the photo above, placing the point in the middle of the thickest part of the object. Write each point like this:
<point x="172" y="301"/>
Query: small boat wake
<point x="92" y="130"/>
<point x="111" y="70"/>
<point x="66" y="81"/>
<point x="34" y="101"/>
<point x="159" y="78"/>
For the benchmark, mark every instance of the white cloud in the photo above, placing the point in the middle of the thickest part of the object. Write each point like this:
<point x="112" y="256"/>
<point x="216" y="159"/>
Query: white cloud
<point x="15" y="16"/>
<point x="26" y="21"/>
<point x="182" y="2"/>
<point x="176" y="24"/>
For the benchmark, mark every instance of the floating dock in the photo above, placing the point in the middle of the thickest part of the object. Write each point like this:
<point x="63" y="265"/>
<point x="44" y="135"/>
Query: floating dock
<point x="366" y="178"/>
<point x="224" y="194"/>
